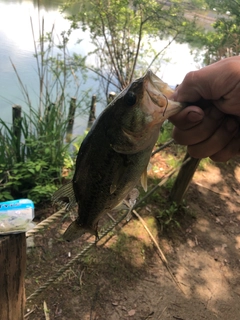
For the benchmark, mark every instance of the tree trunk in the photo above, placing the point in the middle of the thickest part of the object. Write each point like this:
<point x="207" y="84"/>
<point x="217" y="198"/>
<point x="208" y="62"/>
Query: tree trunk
<point x="12" y="270"/>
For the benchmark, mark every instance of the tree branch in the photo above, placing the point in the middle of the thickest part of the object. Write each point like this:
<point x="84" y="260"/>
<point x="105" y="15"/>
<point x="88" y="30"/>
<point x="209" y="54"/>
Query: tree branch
<point x="137" y="51"/>
<point x="158" y="54"/>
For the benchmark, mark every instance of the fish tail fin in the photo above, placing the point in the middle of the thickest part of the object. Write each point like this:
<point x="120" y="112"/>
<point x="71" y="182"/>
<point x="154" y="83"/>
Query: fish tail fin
<point x="74" y="231"/>
<point x="65" y="194"/>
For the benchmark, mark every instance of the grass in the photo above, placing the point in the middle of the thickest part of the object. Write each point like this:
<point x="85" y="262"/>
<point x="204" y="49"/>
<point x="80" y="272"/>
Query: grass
<point x="203" y="163"/>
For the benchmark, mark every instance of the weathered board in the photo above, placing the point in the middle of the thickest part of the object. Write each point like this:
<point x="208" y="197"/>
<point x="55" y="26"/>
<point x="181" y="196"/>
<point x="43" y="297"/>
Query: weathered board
<point x="12" y="271"/>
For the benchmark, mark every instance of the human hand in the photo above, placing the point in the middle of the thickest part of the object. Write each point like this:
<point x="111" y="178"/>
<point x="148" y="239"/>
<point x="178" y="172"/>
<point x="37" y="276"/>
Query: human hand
<point x="214" y="130"/>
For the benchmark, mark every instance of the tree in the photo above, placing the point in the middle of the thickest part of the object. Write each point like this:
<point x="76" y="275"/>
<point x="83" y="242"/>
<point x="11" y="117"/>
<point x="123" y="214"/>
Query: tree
<point x="224" y="40"/>
<point x="125" y="33"/>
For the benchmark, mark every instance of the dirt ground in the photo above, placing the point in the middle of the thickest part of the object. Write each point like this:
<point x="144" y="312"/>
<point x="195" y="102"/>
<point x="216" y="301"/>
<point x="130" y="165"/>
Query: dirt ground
<point x="123" y="277"/>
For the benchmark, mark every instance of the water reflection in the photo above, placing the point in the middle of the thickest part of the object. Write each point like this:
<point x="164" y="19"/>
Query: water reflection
<point x="17" y="44"/>
<point x="47" y="4"/>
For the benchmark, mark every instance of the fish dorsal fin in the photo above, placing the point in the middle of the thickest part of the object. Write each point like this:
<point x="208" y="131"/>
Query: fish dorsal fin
<point x="144" y="180"/>
<point x="65" y="194"/>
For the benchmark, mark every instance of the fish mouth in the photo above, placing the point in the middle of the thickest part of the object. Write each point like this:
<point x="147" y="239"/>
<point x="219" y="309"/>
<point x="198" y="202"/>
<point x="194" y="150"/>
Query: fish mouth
<point x="159" y="93"/>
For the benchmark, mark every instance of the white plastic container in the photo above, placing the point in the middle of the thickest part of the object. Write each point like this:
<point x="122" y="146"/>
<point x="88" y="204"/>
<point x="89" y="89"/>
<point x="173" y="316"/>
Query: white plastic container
<point x="16" y="216"/>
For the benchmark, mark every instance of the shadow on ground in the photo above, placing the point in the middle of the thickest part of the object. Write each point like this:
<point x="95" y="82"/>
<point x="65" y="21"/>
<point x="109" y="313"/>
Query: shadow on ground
<point x="124" y="278"/>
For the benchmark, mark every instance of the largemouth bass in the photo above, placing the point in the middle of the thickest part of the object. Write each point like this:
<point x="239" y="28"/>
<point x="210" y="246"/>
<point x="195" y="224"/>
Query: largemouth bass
<point x="116" y="151"/>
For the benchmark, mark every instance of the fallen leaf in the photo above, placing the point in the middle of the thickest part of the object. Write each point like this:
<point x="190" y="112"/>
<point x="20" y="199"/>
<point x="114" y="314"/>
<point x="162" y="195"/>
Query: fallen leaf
<point x="131" y="312"/>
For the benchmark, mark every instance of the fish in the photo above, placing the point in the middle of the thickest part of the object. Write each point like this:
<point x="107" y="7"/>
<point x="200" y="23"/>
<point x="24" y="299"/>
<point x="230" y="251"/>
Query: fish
<point x="115" y="154"/>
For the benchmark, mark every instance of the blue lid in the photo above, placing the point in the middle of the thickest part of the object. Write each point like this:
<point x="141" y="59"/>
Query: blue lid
<point x="13" y="204"/>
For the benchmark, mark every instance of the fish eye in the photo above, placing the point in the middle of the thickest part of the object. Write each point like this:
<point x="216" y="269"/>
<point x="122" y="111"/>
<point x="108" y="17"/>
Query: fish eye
<point x="130" y="98"/>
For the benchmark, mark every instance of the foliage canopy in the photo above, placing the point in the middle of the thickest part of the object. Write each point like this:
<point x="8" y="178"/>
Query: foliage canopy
<point x="224" y="40"/>
<point x="126" y="33"/>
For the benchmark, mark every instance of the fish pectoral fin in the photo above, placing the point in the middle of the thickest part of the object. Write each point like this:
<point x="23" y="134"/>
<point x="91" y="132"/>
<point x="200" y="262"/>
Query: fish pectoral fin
<point x="144" y="180"/>
<point x="65" y="194"/>
<point x="128" y="202"/>
<point x="123" y="205"/>
<point x="113" y="188"/>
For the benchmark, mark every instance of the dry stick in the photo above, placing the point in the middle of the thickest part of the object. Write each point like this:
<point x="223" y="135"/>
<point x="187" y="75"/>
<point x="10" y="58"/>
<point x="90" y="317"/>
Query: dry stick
<point x="30" y="312"/>
<point x="162" y="256"/>
<point x="162" y="147"/>
<point x="162" y="313"/>
<point x="220" y="193"/>
<point x="46" y="311"/>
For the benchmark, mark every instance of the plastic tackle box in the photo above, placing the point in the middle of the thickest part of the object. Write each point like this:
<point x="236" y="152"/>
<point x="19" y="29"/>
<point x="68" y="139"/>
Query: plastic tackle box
<point x="16" y="216"/>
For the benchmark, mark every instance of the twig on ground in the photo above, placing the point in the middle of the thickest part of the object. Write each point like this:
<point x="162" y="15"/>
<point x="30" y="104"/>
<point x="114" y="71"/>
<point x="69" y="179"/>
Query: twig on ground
<point x="162" y="313"/>
<point x="162" y="256"/>
<point x="220" y="193"/>
<point x="46" y="311"/>
<point x="30" y="312"/>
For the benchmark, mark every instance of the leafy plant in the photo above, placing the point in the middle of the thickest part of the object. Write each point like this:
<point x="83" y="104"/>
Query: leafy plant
<point x="167" y="215"/>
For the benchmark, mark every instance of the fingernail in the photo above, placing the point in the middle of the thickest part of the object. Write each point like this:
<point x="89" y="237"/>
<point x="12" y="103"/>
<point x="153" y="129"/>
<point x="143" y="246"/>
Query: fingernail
<point x="231" y="125"/>
<point x="195" y="116"/>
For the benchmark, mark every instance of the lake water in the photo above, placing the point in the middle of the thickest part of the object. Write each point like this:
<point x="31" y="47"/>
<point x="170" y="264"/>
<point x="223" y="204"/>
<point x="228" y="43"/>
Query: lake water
<point x="17" y="44"/>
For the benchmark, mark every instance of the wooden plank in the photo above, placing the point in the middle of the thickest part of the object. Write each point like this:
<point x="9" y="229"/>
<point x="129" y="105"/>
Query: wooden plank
<point x="17" y="128"/>
<point x="12" y="271"/>
<point x="71" y="115"/>
<point x="92" y="114"/>
<point x="183" y="179"/>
